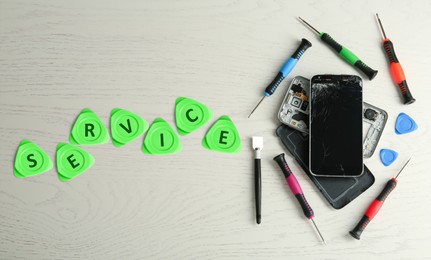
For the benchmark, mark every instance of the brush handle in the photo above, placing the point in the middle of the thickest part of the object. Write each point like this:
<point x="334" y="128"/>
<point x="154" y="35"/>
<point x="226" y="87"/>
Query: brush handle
<point x="258" y="189"/>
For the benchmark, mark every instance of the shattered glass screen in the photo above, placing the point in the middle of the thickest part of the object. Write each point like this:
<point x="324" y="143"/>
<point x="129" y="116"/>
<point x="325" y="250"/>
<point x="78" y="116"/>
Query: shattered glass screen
<point x="336" y="126"/>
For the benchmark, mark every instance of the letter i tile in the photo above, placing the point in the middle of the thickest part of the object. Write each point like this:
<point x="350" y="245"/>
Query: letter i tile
<point x="161" y="139"/>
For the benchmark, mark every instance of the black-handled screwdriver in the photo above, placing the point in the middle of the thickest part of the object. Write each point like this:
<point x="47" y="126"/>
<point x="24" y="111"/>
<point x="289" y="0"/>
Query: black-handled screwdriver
<point x="284" y="71"/>
<point x="295" y="188"/>
<point x="349" y="56"/>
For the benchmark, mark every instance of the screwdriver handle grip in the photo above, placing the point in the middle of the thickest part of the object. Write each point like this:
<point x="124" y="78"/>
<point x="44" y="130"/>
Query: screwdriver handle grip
<point x="397" y="72"/>
<point x="294" y="186"/>
<point x="348" y="55"/>
<point x="287" y="67"/>
<point x="373" y="209"/>
<point x="306" y="208"/>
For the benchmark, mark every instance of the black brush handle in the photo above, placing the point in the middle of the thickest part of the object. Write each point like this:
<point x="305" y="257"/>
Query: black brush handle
<point x="258" y="189"/>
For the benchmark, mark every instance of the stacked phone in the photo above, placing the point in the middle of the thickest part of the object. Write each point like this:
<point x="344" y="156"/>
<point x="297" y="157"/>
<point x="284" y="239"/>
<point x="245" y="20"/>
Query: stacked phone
<point x="329" y="130"/>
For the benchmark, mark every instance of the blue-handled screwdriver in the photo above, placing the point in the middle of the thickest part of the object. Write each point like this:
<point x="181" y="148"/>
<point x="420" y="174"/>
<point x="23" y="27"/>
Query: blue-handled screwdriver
<point x="284" y="71"/>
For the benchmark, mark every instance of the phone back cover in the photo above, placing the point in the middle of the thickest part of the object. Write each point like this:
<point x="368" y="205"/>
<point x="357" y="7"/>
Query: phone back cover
<point x="338" y="191"/>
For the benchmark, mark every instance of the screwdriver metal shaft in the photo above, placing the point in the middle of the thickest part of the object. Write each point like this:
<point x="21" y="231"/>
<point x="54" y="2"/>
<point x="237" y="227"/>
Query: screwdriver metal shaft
<point x="256" y="106"/>
<point x="318" y="231"/>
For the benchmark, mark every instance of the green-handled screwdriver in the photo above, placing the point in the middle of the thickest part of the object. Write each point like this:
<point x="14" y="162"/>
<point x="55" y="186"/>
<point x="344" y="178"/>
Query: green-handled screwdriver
<point x="349" y="56"/>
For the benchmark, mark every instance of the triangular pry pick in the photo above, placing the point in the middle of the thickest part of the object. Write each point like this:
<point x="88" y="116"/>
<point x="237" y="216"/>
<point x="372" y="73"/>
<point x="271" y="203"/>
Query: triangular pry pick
<point x="191" y="115"/>
<point x="388" y="156"/>
<point x="223" y="137"/>
<point x="126" y="126"/>
<point x="161" y="139"/>
<point x="405" y="124"/>
<point x="72" y="161"/>
<point x="31" y="160"/>
<point x="88" y="129"/>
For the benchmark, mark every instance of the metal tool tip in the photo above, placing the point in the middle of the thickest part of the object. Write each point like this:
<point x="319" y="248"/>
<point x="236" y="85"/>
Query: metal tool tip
<point x="403" y="168"/>
<point x="256" y="106"/>
<point x="318" y="231"/>
<point x="381" y="26"/>
<point x="308" y="25"/>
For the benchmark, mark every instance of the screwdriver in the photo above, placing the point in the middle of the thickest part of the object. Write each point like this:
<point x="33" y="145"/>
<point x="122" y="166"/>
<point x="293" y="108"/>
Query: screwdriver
<point x="397" y="71"/>
<point x="375" y="206"/>
<point x="284" y="71"/>
<point x="349" y="56"/>
<point x="295" y="188"/>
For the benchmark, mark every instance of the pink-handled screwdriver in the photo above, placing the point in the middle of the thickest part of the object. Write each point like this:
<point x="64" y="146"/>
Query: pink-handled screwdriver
<point x="295" y="188"/>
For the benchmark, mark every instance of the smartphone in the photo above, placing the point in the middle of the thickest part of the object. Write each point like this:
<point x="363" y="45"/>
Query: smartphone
<point x="335" y="146"/>
<point x="294" y="112"/>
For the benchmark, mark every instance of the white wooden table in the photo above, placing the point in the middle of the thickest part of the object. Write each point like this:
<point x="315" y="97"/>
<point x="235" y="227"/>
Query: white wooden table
<point x="58" y="57"/>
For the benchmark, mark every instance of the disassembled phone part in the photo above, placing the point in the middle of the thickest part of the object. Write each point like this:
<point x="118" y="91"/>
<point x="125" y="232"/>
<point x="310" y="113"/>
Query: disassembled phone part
<point x="294" y="112"/>
<point x="374" y="120"/>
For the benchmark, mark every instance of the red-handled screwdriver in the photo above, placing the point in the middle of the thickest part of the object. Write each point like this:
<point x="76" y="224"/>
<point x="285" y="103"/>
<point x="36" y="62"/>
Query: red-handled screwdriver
<point x="295" y="188"/>
<point x="375" y="206"/>
<point x="397" y="71"/>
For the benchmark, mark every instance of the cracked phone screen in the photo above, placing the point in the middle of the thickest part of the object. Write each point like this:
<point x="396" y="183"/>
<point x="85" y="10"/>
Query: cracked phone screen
<point x="336" y="126"/>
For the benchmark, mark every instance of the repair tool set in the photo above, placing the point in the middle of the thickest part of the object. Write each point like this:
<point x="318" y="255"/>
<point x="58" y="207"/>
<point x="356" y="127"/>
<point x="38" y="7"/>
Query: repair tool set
<point x="329" y="130"/>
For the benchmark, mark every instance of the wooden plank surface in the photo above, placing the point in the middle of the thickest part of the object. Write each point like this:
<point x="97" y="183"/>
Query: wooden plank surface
<point x="58" y="57"/>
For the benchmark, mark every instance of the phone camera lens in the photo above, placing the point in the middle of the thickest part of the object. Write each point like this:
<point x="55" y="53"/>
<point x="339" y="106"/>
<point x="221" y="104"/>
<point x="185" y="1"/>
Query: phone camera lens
<point x="370" y="114"/>
<point x="296" y="102"/>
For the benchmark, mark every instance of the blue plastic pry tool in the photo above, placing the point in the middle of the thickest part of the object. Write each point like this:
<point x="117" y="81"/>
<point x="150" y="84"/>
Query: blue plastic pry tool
<point x="388" y="156"/>
<point x="405" y="124"/>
